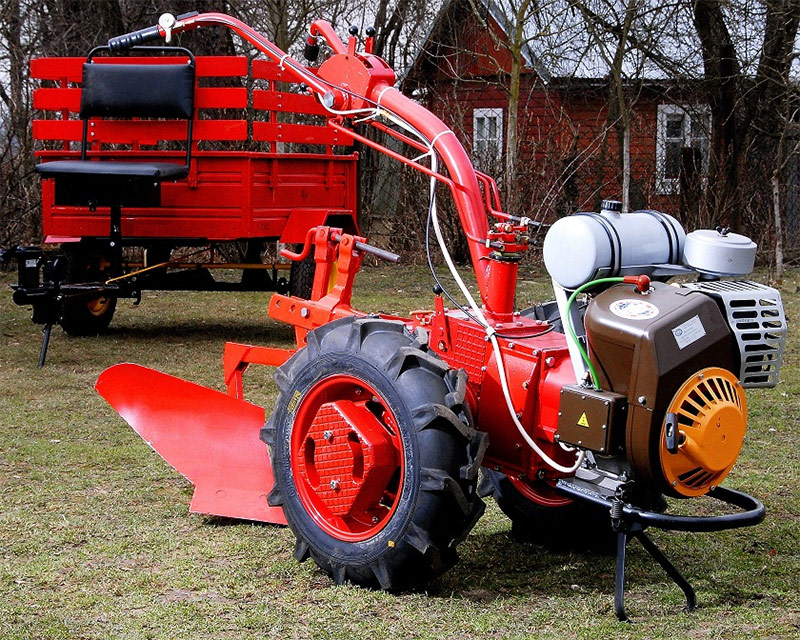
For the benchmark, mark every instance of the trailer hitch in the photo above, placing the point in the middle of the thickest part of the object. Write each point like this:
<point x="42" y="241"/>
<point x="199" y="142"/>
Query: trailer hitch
<point x="629" y="521"/>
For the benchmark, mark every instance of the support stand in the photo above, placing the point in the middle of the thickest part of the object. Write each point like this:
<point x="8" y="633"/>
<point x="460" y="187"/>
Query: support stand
<point x="631" y="521"/>
<point x="637" y="532"/>
<point x="45" y="343"/>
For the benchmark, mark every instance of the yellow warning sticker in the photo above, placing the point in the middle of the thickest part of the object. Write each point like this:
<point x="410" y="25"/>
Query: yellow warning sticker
<point x="583" y="420"/>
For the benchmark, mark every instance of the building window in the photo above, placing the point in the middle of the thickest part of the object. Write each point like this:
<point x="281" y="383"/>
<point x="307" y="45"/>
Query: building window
<point x="682" y="145"/>
<point x="487" y="138"/>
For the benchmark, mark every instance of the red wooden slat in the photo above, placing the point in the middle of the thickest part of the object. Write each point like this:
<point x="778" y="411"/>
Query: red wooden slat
<point x="57" y="99"/>
<point x="141" y="131"/>
<point x="220" y="130"/>
<point x="298" y="133"/>
<point x="268" y="70"/>
<point x="57" y="130"/>
<point x="220" y="98"/>
<point x="212" y="66"/>
<point x="287" y="102"/>
<point x="57" y="68"/>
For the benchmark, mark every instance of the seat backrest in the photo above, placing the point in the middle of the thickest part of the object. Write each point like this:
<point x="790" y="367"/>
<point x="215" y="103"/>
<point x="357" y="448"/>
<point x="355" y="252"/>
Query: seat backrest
<point x="137" y="90"/>
<point x="158" y="90"/>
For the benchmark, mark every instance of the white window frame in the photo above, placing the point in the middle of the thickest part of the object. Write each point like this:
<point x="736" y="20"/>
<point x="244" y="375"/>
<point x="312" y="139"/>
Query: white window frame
<point x="478" y="155"/>
<point x="665" y="185"/>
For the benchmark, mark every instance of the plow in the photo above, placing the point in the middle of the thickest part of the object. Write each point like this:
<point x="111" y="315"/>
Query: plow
<point x="388" y="432"/>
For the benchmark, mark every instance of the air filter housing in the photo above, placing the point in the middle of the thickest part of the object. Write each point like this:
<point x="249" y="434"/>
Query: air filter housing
<point x="719" y="253"/>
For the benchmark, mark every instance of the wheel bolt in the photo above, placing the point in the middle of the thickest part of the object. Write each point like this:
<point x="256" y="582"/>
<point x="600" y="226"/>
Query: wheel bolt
<point x="335" y="485"/>
<point x="328" y="435"/>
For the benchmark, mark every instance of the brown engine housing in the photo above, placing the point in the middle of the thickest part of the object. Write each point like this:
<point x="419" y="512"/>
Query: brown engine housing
<point x="645" y="347"/>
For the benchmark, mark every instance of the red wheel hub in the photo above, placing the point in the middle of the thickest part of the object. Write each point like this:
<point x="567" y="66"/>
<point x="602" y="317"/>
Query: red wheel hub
<point x="347" y="458"/>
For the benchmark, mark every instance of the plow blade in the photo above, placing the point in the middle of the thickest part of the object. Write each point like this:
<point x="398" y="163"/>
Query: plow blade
<point x="209" y="437"/>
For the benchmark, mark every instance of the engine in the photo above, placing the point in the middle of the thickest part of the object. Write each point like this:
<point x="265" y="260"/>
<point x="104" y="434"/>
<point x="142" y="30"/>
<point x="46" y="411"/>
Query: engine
<point x="671" y="362"/>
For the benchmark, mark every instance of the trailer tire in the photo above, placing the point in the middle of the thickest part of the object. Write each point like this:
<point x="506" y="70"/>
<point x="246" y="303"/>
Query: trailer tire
<point x="301" y="276"/>
<point x="574" y="525"/>
<point x="401" y="526"/>
<point x="85" y="317"/>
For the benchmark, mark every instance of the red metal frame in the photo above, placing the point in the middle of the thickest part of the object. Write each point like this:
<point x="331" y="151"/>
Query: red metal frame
<point x="350" y="80"/>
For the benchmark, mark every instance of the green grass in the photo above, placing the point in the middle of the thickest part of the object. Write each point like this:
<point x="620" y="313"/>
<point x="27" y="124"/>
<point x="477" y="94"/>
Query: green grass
<point x="96" y="540"/>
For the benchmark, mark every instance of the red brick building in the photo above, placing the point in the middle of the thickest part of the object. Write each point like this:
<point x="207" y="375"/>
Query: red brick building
<point x="569" y="145"/>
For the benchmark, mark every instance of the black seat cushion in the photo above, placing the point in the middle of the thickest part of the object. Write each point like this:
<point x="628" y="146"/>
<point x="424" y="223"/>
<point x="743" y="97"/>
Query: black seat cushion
<point x="158" y="171"/>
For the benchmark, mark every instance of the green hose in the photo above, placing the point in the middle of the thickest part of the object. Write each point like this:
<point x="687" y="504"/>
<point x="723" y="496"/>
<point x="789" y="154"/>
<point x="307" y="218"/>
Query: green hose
<point x="571" y="331"/>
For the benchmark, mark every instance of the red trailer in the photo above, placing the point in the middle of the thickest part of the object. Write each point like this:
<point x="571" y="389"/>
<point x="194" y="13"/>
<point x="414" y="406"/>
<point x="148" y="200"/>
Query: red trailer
<point x="247" y="159"/>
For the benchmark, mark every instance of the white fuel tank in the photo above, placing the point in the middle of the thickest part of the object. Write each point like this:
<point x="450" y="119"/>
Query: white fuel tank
<point x="587" y="246"/>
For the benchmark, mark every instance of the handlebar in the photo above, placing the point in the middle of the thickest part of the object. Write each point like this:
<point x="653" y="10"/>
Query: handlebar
<point x="141" y="36"/>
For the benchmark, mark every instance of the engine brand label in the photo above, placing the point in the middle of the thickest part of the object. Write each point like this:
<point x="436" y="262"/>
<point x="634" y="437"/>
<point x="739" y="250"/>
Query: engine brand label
<point x="632" y="309"/>
<point x="688" y="332"/>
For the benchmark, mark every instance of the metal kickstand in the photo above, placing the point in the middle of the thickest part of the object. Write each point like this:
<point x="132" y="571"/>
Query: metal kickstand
<point x="48" y="328"/>
<point x="624" y="531"/>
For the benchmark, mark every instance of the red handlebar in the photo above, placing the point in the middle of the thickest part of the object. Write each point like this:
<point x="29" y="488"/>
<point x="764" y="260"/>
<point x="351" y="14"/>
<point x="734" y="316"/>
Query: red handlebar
<point x="351" y="84"/>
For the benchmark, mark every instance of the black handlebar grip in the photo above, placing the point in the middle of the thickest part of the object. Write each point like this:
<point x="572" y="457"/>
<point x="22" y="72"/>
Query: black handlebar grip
<point x="311" y="51"/>
<point x="134" y="38"/>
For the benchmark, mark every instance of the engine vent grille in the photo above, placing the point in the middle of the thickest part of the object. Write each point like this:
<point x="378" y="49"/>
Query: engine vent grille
<point x="755" y="315"/>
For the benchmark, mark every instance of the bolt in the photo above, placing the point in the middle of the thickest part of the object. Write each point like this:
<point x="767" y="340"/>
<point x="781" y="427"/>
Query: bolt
<point x="540" y="474"/>
<point x="550" y="361"/>
<point x="642" y="400"/>
<point x="374" y="519"/>
<point x="359" y="392"/>
<point x="560" y="414"/>
<point x="328" y="435"/>
<point x="700" y="376"/>
<point x="602" y="449"/>
<point x="525" y="385"/>
<point x="510" y="345"/>
<point x="335" y="485"/>
<point x="603" y="427"/>
<point x="304" y="312"/>
<point x="674" y="483"/>
<point x="483" y="368"/>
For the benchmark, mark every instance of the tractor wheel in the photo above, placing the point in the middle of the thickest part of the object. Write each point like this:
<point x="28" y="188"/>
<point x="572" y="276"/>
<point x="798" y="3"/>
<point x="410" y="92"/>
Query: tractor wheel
<point x="301" y="276"/>
<point x="374" y="458"/>
<point x="86" y="317"/>
<point x="563" y="524"/>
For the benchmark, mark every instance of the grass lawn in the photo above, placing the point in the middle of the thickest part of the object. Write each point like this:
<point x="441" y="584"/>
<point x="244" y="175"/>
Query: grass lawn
<point x="96" y="540"/>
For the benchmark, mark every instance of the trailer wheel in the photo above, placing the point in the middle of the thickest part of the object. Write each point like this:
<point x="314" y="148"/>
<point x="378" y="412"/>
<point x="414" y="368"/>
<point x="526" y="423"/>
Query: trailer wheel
<point x="86" y="317"/>
<point x="563" y="524"/>
<point x="374" y="458"/>
<point x="301" y="276"/>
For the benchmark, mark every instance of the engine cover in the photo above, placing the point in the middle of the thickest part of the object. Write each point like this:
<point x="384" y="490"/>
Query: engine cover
<point x="645" y="347"/>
